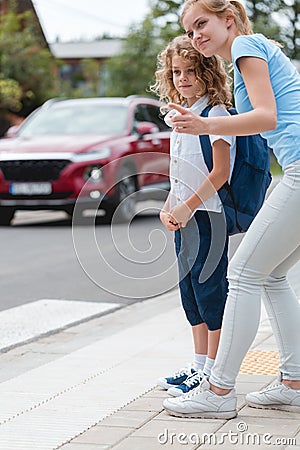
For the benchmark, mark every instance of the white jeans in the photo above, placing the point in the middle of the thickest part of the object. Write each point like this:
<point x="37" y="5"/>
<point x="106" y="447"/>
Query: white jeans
<point x="269" y="249"/>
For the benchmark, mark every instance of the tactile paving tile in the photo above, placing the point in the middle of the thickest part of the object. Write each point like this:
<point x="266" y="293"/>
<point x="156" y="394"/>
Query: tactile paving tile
<point x="50" y="405"/>
<point x="260" y="363"/>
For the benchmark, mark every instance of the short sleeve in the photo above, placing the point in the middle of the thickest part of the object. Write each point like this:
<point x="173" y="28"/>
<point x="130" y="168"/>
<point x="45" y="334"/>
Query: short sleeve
<point x="220" y="110"/>
<point x="249" y="45"/>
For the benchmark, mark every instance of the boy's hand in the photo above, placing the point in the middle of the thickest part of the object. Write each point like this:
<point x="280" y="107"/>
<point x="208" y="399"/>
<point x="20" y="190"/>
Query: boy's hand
<point x="181" y="214"/>
<point x="168" y="222"/>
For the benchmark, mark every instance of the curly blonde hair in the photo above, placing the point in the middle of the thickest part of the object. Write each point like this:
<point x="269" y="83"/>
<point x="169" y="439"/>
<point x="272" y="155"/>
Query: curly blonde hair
<point x="211" y="77"/>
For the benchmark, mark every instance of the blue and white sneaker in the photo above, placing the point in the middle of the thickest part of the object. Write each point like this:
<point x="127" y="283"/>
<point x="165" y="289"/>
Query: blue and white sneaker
<point x="190" y="383"/>
<point x="178" y="378"/>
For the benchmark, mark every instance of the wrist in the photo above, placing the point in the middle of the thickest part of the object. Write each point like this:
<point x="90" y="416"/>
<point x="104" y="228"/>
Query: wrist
<point x="163" y="215"/>
<point x="193" y="202"/>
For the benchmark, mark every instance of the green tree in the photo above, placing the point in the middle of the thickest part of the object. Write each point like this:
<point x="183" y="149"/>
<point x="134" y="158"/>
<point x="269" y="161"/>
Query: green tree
<point x="165" y="14"/>
<point x="290" y="32"/>
<point x="278" y="20"/>
<point x="10" y="95"/>
<point x="26" y="66"/>
<point x="133" y="70"/>
<point x="130" y="72"/>
<point x="260" y="13"/>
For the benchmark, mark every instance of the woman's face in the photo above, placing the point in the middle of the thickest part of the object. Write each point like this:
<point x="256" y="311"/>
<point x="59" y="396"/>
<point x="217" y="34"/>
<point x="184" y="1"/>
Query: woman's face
<point x="208" y="32"/>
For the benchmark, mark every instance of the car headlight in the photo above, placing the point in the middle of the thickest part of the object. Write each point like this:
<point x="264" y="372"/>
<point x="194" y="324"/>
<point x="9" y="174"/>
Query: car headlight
<point x="93" y="174"/>
<point x="96" y="153"/>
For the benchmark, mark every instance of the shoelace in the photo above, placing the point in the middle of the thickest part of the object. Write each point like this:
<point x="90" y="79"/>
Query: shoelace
<point x="272" y="385"/>
<point x="193" y="392"/>
<point x="193" y="379"/>
<point x="196" y="390"/>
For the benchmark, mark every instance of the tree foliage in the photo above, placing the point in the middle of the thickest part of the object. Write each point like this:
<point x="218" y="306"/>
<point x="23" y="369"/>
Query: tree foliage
<point x="133" y="70"/>
<point x="26" y="65"/>
<point x="290" y="33"/>
<point x="278" y="20"/>
<point x="129" y="72"/>
<point x="260" y="14"/>
<point x="10" y="94"/>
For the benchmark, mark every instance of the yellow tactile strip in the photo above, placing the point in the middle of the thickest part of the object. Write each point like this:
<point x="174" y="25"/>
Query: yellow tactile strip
<point x="261" y="363"/>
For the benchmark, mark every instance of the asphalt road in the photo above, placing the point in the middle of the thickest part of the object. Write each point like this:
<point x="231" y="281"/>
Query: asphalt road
<point x="43" y="257"/>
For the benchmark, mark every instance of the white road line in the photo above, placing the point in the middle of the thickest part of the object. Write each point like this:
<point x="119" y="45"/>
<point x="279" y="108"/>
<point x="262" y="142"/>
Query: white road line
<point x="23" y="323"/>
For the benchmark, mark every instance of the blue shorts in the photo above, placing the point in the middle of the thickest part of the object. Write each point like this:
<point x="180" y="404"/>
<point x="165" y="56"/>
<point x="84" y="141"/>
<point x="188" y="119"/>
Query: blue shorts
<point x="201" y="249"/>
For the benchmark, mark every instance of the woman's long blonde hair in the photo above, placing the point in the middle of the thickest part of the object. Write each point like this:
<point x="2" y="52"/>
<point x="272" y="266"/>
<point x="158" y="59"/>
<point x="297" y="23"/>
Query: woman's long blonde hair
<point x="210" y="74"/>
<point x="220" y="8"/>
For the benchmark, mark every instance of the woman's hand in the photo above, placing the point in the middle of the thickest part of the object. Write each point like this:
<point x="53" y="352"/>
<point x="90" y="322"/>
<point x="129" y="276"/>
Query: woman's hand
<point x="181" y="214"/>
<point x="187" y="121"/>
<point x="168" y="222"/>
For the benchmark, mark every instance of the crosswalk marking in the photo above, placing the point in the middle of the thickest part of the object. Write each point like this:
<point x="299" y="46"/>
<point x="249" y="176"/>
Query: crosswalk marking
<point x="28" y="321"/>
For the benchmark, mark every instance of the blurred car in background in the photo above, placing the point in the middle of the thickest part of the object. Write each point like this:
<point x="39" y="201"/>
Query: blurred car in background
<point x="88" y="150"/>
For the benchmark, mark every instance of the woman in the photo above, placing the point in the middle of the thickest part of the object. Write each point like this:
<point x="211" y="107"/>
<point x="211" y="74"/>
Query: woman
<point x="267" y="96"/>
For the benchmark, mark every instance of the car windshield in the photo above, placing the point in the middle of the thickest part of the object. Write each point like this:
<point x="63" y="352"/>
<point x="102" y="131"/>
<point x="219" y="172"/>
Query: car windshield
<point x="104" y="119"/>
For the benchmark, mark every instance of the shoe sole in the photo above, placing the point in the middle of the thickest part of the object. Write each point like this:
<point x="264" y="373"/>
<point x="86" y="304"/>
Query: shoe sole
<point x="204" y="415"/>
<point x="176" y="392"/>
<point x="288" y="408"/>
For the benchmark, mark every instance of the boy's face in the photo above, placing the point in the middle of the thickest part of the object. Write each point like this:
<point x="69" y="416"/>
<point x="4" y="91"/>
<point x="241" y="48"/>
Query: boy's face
<point x="184" y="78"/>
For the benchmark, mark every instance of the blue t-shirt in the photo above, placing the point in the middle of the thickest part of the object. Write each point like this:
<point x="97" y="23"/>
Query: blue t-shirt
<point x="285" y="80"/>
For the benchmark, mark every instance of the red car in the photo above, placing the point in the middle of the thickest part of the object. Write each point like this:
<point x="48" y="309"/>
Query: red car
<point x="98" y="152"/>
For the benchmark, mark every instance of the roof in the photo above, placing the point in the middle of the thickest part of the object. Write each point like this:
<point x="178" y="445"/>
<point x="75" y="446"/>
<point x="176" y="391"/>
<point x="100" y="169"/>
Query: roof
<point x="104" y="48"/>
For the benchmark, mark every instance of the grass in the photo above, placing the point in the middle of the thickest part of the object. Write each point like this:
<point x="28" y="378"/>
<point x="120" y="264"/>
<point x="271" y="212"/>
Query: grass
<point x="275" y="167"/>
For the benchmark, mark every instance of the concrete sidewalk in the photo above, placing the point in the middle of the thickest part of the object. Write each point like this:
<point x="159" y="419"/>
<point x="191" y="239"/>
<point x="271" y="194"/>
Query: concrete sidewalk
<point x="93" y="386"/>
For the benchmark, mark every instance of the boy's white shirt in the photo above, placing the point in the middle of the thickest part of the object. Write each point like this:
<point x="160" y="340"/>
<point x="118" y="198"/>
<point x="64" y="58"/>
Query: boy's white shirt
<point x="187" y="166"/>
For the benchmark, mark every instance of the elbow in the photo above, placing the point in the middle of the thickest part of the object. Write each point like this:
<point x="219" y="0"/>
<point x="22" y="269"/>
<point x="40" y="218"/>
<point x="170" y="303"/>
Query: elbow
<point x="274" y="123"/>
<point x="225" y="178"/>
<point x="269" y="119"/>
<point x="266" y="119"/>
<point x="225" y="174"/>
<point x="222" y="176"/>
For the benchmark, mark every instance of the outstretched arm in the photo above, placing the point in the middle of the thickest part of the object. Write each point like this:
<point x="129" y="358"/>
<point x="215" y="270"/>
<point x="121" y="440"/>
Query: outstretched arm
<point x="262" y="118"/>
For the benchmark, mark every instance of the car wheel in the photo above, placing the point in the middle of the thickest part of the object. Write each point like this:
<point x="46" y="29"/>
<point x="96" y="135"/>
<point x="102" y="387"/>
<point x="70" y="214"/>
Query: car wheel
<point x="124" y="208"/>
<point x="6" y="215"/>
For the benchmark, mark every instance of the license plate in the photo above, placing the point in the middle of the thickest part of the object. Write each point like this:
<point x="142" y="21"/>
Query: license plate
<point x="30" y="188"/>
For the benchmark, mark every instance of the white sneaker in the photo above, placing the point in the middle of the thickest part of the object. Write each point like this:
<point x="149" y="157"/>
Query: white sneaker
<point x="275" y="396"/>
<point x="202" y="403"/>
